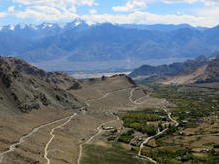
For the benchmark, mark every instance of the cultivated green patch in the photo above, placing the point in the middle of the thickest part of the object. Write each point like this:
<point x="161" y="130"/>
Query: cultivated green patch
<point x="139" y="120"/>
<point x="114" y="153"/>
<point x="192" y="103"/>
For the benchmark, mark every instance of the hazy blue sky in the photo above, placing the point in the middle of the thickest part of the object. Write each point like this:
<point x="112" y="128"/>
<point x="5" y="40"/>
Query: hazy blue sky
<point x="194" y="12"/>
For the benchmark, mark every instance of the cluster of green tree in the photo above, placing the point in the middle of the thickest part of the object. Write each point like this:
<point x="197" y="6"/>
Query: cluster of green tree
<point x="192" y="103"/>
<point x="126" y="137"/>
<point x="177" y="154"/>
<point x="138" y="121"/>
<point x="143" y="116"/>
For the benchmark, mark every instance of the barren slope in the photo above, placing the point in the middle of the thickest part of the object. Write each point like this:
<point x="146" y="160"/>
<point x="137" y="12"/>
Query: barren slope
<point x="24" y="88"/>
<point x="35" y="137"/>
<point x="186" y="79"/>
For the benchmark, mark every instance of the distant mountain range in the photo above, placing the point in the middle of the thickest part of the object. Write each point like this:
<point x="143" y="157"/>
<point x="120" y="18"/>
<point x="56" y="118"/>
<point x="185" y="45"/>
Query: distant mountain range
<point x="66" y="46"/>
<point x="202" y="69"/>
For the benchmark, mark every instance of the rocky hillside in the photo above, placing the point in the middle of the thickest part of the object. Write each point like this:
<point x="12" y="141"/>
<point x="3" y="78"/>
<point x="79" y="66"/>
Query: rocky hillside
<point x="201" y="69"/>
<point x="24" y="88"/>
<point x="212" y="72"/>
<point x="170" y="70"/>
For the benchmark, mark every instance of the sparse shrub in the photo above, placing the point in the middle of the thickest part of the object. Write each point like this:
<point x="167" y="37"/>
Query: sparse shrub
<point x="6" y="79"/>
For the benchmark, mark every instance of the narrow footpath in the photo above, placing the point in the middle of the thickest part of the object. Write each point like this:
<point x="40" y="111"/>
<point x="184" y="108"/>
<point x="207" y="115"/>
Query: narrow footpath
<point x="25" y="137"/>
<point x="53" y="136"/>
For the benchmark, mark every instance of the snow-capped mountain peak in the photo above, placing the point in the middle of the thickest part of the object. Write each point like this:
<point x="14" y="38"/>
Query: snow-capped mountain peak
<point x="12" y="27"/>
<point x="45" y="26"/>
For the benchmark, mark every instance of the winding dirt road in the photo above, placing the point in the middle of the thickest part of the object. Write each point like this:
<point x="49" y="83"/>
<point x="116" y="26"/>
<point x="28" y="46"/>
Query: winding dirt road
<point x="99" y="131"/>
<point x="176" y="124"/>
<point x="35" y="130"/>
<point x="25" y="137"/>
<point x="146" y="141"/>
<point x="53" y="136"/>
<point x="135" y="102"/>
<point x="131" y="95"/>
<point x="169" y="116"/>
<point x="105" y="95"/>
<point x="159" y="132"/>
<point x="99" y="128"/>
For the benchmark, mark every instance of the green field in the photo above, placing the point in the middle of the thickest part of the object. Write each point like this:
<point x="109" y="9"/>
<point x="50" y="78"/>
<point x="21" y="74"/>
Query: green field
<point x="138" y="120"/>
<point x="195" y="108"/>
<point x="178" y="155"/>
<point x="114" y="154"/>
<point x="192" y="103"/>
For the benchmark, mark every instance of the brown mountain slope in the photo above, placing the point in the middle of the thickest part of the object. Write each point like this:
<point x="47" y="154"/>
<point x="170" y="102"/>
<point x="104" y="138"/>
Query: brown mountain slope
<point x="200" y="70"/>
<point x="187" y="78"/>
<point x="24" y="88"/>
<point x="203" y="74"/>
<point x="212" y="72"/>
